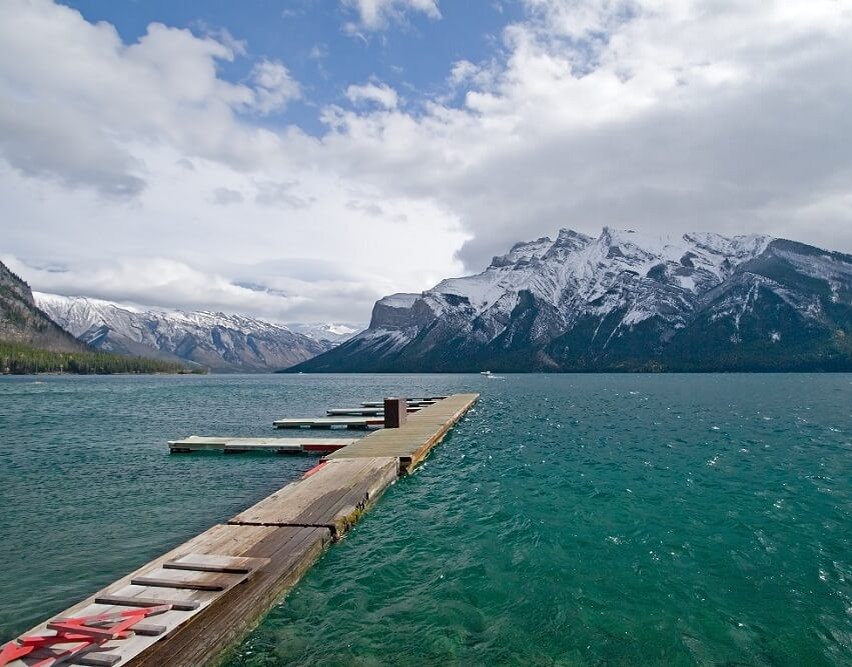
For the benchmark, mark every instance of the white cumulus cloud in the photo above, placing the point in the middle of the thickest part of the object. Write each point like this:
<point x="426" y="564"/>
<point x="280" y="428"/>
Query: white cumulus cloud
<point x="380" y="94"/>
<point x="274" y="87"/>
<point x="378" y="14"/>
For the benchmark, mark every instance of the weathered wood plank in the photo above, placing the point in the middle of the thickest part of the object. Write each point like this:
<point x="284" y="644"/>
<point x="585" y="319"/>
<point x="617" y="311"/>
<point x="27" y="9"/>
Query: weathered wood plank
<point x="190" y="584"/>
<point x="130" y="601"/>
<point x="97" y="659"/>
<point x="333" y="497"/>
<point x="215" y="563"/>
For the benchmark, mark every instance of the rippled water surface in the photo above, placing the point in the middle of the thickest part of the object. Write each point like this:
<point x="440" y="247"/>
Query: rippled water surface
<point x="570" y="519"/>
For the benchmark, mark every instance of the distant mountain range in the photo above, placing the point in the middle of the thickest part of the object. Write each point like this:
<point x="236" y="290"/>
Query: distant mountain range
<point x="620" y="302"/>
<point x="220" y="342"/>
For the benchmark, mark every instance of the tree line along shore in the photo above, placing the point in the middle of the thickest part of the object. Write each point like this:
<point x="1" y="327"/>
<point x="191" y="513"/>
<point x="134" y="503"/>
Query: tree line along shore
<point x="20" y="359"/>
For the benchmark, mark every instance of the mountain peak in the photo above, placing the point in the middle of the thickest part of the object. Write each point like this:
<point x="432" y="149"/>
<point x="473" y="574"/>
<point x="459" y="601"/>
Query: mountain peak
<point x="625" y="300"/>
<point x="568" y="239"/>
<point x="523" y="251"/>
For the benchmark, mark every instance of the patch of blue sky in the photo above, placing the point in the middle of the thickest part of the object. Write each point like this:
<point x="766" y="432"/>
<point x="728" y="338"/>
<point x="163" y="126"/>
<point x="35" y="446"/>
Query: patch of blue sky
<point x="310" y="37"/>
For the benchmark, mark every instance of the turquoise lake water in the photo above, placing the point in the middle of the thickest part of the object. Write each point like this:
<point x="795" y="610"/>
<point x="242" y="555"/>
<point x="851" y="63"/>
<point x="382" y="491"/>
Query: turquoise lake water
<point x="568" y="520"/>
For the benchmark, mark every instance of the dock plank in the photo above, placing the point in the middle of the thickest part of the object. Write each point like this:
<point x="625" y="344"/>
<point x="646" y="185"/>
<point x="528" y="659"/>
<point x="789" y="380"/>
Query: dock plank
<point x="333" y="497"/>
<point x="131" y="601"/>
<point x="215" y="563"/>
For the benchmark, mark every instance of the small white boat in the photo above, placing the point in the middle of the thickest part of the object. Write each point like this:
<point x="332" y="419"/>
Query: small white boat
<point x="485" y="372"/>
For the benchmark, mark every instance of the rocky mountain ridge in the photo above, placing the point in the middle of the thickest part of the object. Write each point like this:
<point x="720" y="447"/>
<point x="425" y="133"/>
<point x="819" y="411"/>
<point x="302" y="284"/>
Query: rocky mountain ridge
<point x="220" y="342"/>
<point x="623" y="301"/>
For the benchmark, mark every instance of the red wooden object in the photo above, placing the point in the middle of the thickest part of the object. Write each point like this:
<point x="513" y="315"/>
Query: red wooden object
<point x="88" y="632"/>
<point x="312" y="471"/>
<point x="322" y="447"/>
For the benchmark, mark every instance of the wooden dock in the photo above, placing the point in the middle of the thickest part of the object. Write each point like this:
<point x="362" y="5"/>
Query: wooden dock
<point x="199" y="443"/>
<point x="363" y="412"/>
<point x="414" y="440"/>
<point x="221" y="583"/>
<point x="330" y="422"/>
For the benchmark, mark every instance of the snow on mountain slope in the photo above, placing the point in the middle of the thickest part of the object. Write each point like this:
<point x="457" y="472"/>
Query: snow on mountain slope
<point x="333" y="333"/>
<point x="227" y="343"/>
<point x="624" y="300"/>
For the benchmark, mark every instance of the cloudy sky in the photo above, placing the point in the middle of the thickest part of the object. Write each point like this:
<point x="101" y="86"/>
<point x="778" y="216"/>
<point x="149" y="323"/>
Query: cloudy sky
<point x="298" y="159"/>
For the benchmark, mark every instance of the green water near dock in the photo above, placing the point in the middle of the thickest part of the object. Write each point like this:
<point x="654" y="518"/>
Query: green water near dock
<point x="568" y="519"/>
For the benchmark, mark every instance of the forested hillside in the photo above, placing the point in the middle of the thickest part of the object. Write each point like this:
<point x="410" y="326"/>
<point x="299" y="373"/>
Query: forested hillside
<point x="18" y="359"/>
<point x="30" y="342"/>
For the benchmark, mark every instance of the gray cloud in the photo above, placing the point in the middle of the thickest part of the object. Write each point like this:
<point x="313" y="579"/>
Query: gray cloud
<point x="224" y="196"/>
<point x="270" y="193"/>
<point x="368" y="207"/>
<point x="36" y="145"/>
<point x="155" y="282"/>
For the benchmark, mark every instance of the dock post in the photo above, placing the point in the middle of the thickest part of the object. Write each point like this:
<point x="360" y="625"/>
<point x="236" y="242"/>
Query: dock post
<point x="396" y="411"/>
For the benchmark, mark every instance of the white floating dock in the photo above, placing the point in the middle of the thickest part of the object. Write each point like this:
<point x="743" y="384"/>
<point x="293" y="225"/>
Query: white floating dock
<point x="412" y="402"/>
<point x="197" y="443"/>
<point x="364" y="412"/>
<point x="330" y="422"/>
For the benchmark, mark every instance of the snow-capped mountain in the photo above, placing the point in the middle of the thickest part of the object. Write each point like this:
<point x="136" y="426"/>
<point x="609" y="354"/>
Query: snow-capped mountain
<point x="622" y="301"/>
<point x="333" y="333"/>
<point x="222" y="343"/>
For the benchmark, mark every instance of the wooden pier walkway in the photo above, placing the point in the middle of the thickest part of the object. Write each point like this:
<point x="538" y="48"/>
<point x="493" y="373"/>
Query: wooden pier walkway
<point x="411" y="442"/>
<point x="200" y="443"/>
<point x="219" y="584"/>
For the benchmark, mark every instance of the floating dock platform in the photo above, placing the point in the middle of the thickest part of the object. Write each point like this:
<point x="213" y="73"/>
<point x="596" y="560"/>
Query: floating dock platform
<point x="208" y="593"/>
<point x="198" y="443"/>
<point x="330" y="422"/>
<point x="412" y="402"/>
<point x="363" y="412"/>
